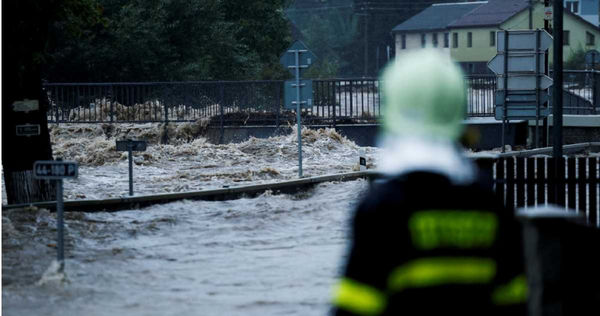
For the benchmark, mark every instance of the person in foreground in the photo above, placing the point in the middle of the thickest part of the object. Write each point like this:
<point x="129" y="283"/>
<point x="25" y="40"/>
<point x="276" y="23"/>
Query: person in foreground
<point x="429" y="238"/>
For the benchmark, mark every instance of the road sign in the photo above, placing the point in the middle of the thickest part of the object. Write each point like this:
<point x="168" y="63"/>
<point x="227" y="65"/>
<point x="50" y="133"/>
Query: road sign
<point x="523" y="40"/>
<point x="520" y="97"/>
<point x="305" y="59"/>
<point x="524" y="82"/>
<point x="296" y="59"/>
<point x="130" y="146"/>
<point x="592" y="57"/>
<point x="520" y="112"/>
<point x="28" y="130"/>
<point x="306" y="94"/>
<point x="134" y="145"/>
<point x="518" y="62"/>
<point x="55" y="170"/>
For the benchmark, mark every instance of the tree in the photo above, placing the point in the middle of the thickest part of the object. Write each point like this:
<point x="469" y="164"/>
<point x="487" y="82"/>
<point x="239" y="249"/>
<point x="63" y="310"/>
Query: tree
<point x="173" y="40"/>
<point x="25" y="38"/>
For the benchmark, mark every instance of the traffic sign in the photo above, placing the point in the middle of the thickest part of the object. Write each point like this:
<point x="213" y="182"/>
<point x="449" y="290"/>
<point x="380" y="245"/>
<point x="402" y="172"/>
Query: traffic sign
<point x="524" y="82"/>
<point x="520" y="97"/>
<point x="296" y="59"/>
<point x="305" y="57"/>
<point x="306" y="94"/>
<point x="518" y="62"/>
<point x="520" y="112"/>
<point x="133" y="145"/>
<point x="55" y="170"/>
<point x="28" y="130"/>
<point x="524" y="40"/>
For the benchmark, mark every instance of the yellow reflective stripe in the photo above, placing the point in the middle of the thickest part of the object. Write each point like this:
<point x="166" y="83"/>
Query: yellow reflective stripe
<point x="429" y="272"/>
<point x="359" y="298"/>
<point x="514" y="292"/>
<point x="452" y="228"/>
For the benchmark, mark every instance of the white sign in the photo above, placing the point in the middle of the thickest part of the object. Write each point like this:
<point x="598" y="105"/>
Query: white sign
<point x="26" y="105"/>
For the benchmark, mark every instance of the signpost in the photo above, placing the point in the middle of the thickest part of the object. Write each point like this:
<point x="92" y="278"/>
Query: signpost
<point x="522" y="83"/>
<point x="57" y="170"/>
<point x="28" y="130"/>
<point x="296" y="59"/>
<point x="130" y="146"/>
<point x="306" y="94"/>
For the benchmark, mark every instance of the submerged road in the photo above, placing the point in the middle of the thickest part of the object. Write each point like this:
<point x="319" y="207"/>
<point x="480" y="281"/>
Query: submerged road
<point x="269" y="255"/>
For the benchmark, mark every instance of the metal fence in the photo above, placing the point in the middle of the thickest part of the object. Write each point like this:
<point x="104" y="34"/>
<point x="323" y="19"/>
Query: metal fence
<point x="581" y="91"/>
<point x="527" y="182"/>
<point x="261" y="102"/>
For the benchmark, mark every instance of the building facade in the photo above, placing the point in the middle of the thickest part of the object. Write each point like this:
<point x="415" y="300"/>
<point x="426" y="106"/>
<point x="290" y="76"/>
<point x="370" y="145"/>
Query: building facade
<point x="472" y="36"/>
<point x="589" y="10"/>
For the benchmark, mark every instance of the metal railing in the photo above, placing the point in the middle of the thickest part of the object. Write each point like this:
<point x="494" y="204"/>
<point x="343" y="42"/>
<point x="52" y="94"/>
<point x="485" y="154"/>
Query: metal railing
<point x="335" y="101"/>
<point x="531" y="181"/>
<point x="581" y="91"/>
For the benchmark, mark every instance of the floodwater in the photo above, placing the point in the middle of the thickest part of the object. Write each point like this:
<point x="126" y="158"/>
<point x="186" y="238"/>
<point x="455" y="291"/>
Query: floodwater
<point x="188" y="163"/>
<point x="270" y="255"/>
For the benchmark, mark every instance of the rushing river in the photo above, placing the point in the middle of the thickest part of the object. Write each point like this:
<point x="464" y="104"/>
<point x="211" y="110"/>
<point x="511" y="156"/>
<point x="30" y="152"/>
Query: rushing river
<point x="270" y="255"/>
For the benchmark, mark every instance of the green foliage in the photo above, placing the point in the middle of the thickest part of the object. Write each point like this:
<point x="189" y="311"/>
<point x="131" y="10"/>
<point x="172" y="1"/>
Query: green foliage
<point x="576" y="60"/>
<point x="170" y="40"/>
<point x="328" y="34"/>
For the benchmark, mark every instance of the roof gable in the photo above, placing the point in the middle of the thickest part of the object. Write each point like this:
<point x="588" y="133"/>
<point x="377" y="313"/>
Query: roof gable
<point x="437" y="16"/>
<point x="495" y="12"/>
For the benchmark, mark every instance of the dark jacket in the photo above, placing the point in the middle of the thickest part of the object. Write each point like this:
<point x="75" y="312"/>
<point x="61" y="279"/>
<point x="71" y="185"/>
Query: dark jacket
<point x="423" y="246"/>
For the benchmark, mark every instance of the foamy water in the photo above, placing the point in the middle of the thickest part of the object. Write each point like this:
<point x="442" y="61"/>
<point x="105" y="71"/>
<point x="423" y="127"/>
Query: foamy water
<point x="188" y="164"/>
<point x="274" y="254"/>
<point x="271" y="255"/>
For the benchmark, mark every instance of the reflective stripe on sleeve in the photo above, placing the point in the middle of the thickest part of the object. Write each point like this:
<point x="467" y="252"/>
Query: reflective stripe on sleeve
<point x="359" y="298"/>
<point x="428" y="272"/>
<point x="514" y="292"/>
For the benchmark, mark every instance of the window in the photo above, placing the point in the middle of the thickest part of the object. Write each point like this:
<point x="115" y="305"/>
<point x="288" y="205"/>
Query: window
<point x="403" y="41"/>
<point x="446" y="39"/>
<point x="492" y="38"/>
<point x="435" y="40"/>
<point x="423" y="40"/>
<point x="572" y="6"/>
<point x="455" y="40"/>
<point x="471" y="68"/>
<point x="589" y="38"/>
<point x="469" y="39"/>
<point x="566" y="38"/>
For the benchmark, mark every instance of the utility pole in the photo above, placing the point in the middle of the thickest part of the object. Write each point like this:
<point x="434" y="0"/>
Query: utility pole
<point x="531" y="14"/>
<point x="559" y="168"/>
<point x="366" y="14"/>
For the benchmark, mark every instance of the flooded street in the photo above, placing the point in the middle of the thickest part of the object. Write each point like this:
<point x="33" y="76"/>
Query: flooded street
<point x="271" y="255"/>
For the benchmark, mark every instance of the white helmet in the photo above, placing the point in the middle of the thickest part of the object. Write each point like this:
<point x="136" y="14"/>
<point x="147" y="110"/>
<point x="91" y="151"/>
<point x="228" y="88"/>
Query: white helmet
<point x="424" y="95"/>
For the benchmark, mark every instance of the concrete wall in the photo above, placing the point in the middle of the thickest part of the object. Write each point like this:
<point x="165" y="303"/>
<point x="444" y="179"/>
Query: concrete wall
<point x="366" y="134"/>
